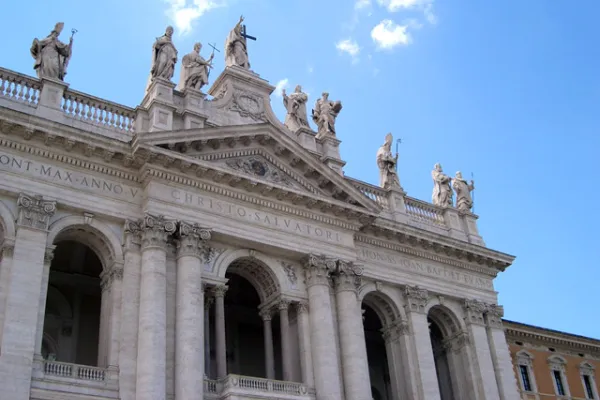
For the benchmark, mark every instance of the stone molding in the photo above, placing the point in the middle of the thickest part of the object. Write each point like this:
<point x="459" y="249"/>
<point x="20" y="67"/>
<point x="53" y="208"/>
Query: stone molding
<point x="494" y="314"/>
<point x="107" y="277"/>
<point x="34" y="211"/>
<point x="474" y="310"/>
<point x="302" y="307"/>
<point x="220" y="290"/>
<point x="557" y="363"/>
<point x="191" y="239"/>
<point x="266" y="314"/>
<point x="416" y="299"/>
<point x="283" y="304"/>
<point x="457" y="342"/>
<point x="317" y="269"/>
<point x="156" y="230"/>
<point x="49" y="255"/>
<point x="394" y="331"/>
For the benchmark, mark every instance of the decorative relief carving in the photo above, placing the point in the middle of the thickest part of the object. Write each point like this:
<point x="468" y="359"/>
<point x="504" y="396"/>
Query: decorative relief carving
<point x="394" y="331"/>
<point x="290" y="271"/>
<point x="156" y="230"/>
<point x="34" y="211"/>
<point x="474" y="310"/>
<point x="494" y="314"/>
<point x="318" y="268"/>
<point x="265" y="314"/>
<point x="49" y="255"/>
<point x="417" y="298"/>
<point x="457" y="342"/>
<point x="283" y="304"/>
<point x="302" y="307"/>
<point x="248" y="105"/>
<point x="7" y="250"/>
<point x="190" y="237"/>
<point x="259" y="167"/>
<point x="220" y="290"/>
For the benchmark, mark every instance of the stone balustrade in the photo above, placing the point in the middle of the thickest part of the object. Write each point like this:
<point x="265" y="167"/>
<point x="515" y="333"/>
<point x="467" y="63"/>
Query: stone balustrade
<point x="375" y="193"/>
<point x="424" y="212"/>
<point x="68" y="370"/>
<point x="19" y="87"/>
<point x="268" y="388"/>
<point x="97" y="111"/>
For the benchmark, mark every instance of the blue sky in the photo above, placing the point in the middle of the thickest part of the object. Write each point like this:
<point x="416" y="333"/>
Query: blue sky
<point x="507" y="90"/>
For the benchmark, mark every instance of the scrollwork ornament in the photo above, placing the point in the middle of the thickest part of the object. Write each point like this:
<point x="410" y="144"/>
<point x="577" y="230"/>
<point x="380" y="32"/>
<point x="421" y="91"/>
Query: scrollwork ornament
<point x="266" y="314"/>
<point x="34" y="211"/>
<point x="156" y="230"/>
<point x="474" y="310"/>
<point x="283" y="304"/>
<point x="417" y="298"/>
<point x="302" y="307"/>
<point x="220" y="290"/>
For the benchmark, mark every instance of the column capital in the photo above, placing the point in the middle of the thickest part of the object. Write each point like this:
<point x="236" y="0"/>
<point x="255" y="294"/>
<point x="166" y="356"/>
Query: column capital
<point x="493" y="316"/>
<point x="302" y="307"/>
<point x="283" y="304"/>
<point x="265" y="314"/>
<point x="416" y="298"/>
<point x="347" y="276"/>
<point x="49" y="255"/>
<point x="395" y="330"/>
<point x="7" y="248"/>
<point x="132" y="235"/>
<point x="317" y="269"/>
<point x="34" y="211"/>
<point x="220" y="290"/>
<point x="457" y="342"/>
<point x="112" y="274"/>
<point x="208" y="300"/>
<point x="474" y="310"/>
<point x="189" y="239"/>
<point x="156" y="230"/>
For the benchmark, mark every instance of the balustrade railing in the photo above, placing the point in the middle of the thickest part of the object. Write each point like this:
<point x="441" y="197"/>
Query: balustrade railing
<point x="265" y="385"/>
<point x="19" y="87"/>
<point x="97" y="111"/>
<point x="68" y="370"/>
<point x="375" y="193"/>
<point x="424" y="212"/>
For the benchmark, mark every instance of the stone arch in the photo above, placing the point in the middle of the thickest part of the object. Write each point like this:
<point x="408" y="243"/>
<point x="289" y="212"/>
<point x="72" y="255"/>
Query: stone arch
<point x="383" y="301"/>
<point x="7" y="222"/>
<point x="446" y="319"/>
<point x="260" y="270"/>
<point x="94" y="234"/>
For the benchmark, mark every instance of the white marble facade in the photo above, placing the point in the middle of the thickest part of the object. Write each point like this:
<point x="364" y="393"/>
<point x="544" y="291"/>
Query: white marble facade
<point x="196" y="248"/>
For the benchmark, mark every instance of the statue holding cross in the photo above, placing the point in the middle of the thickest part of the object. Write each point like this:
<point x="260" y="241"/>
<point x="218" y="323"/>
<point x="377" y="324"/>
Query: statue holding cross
<point x="236" y="51"/>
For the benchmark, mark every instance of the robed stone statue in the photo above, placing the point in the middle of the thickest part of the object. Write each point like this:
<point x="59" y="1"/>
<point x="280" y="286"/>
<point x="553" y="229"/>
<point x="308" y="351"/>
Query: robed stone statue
<point x="388" y="177"/>
<point x="464" y="201"/>
<point x="164" y="57"/>
<point x="295" y="104"/>
<point x="325" y="113"/>
<point x="51" y="55"/>
<point x="442" y="191"/>
<point x="236" y="50"/>
<point x="194" y="69"/>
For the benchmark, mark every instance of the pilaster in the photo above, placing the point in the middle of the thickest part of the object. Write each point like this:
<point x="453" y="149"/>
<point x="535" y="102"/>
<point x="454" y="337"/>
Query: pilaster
<point x="330" y="147"/>
<point x="6" y="256"/>
<point x="400" y="352"/>
<point x="152" y="333"/>
<point x="220" y="340"/>
<point x="469" y="222"/>
<point x="322" y="333"/>
<point x="22" y="315"/>
<point x="160" y="105"/>
<point x="451" y="217"/>
<point x="193" y="106"/>
<point x="426" y="379"/>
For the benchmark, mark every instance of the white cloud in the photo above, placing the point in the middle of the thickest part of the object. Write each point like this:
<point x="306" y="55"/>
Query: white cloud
<point x="310" y="69"/>
<point x="360" y="4"/>
<point x="388" y="34"/>
<point x="348" y="46"/>
<point x="184" y="12"/>
<point x="282" y="84"/>
<point x="426" y="6"/>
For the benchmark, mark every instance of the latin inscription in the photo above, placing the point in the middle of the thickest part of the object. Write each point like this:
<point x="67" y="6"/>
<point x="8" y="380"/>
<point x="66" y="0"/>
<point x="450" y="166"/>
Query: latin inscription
<point x="424" y="268"/>
<point x="61" y="176"/>
<point x="257" y="217"/>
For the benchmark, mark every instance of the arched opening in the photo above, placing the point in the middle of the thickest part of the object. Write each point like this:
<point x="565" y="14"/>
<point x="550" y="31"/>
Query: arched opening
<point x="377" y="357"/>
<point x="448" y="347"/>
<point x="73" y="305"/>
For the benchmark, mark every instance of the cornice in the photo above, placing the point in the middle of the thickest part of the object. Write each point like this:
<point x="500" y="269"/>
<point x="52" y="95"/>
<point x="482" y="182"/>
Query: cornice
<point x="417" y="250"/>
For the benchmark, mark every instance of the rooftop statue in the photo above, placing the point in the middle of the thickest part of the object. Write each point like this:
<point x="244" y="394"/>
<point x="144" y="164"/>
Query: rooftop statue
<point x="164" y="57"/>
<point x="442" y="191"/>
<point x="194" y="69"/>
<point x="464" y="201"/>
<point x="388" y="177"/>
<point x="325" y="113"/>
<point x="51" y="55"/>
<point x="295" y="104"/>
<point x="236" y="51"/>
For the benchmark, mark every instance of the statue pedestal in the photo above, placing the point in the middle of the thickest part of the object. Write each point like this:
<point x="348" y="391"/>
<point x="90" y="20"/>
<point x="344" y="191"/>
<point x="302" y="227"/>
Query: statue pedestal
<point x="306" y="138"/>
<point x="193" y="106"/>
<point x="159" y="103"/>
<point x="330" y="149"/>
<point x="469" y="221"/>
<point x="52" y="93"/>
<point x="234" y="78"/>
<point x="452" y="220"/>
<point x="397" y="204"/>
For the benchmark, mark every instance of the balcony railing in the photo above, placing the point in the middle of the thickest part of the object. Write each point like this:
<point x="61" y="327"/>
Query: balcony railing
<point x="68" y="370"/>
<point x="19" y="87"/>
<point x="424" y="212"/>
<point x="267" y="388"/>
<point x="375" y="193"/>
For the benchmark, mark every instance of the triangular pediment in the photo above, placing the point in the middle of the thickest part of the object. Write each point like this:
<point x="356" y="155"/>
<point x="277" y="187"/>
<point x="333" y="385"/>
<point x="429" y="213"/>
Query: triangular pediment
<point x="259" y="153"/>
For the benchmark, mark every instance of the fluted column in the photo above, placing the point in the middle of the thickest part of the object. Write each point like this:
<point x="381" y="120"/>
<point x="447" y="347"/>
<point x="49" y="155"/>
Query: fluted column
<point x="286" y="347"/>
<point x="268" y="339"/>
<point x="220" y="340"/>
<point x="503" y="367"/>
<point x="322" y="332"/>
<point x="189" y="320"/>
<point x="423" y="361"/>
<point x="152" y="332"/>
<point x="23" y="298"/>
<point x="208" y="301"/>
<point x="306" y="364"/>
<point x="355" y="365"/>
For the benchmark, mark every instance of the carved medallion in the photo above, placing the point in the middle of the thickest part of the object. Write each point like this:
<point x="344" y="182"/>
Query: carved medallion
<point x="248" y="105"/>
<point x="257" y="166"/>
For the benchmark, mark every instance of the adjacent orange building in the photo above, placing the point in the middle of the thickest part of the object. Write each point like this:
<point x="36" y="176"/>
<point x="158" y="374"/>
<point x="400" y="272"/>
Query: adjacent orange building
<point x="553" y="365"/>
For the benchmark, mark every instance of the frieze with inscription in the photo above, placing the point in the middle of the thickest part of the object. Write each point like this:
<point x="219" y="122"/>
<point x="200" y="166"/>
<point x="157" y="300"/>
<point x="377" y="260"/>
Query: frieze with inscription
<point x="423" y="268"/>
<point x="69" y="178"/>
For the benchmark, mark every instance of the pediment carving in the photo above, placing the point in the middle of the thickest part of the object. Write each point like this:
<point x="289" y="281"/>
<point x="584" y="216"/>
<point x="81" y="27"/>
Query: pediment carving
<point x="258" y="167"/>
<point x="249" y="105"/>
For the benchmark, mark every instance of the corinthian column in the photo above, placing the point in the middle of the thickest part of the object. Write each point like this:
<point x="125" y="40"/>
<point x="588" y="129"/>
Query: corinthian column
<point x="220" y="340"/>
<point x="286" y="347"/>
<point x="427" y="383"/>
<point x="355" y="365"/>
<point x="189" y="323"/>
<point x="306" y="364"/>
<point x="322" y="332"/>
<point x="152" y="332"/>
<point x="268" y="338"/>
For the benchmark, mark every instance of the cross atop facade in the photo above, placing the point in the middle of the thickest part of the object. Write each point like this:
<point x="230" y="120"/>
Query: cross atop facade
<point x="246" y="36"/>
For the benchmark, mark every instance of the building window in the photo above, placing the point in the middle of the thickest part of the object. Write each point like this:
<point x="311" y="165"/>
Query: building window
<point x="589" y="390"/>
<point x="589" y="381"/>
<point x="525" y="378"/>
<point x="560" y="389"/>
<point x="558" y="366"/>
<point x="524" y="360"/>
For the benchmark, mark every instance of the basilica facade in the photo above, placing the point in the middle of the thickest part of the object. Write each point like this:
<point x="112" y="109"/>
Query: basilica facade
<point x="196" y="247"/>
